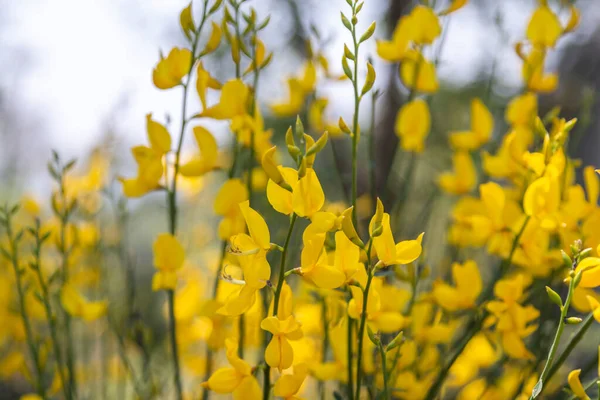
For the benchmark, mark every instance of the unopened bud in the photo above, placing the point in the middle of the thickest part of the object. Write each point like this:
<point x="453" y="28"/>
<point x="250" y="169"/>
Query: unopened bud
<point x="397" y="341"/>
<point x="349" y="230"/>
<point x="573" y="320"/>
<point x="554" y="297"/>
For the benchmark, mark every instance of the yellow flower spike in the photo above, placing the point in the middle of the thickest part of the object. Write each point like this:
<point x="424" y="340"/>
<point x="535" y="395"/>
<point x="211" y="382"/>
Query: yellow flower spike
<point x="204" y="81"/>
<point x="455" y="5"/>
<point x="576" y="386"/>
<point x="279" y="353"/>
<point x="425" y="25"/>
<point x="232" y="103"/>
<point x="209" y="150"/>
<point x="418" y="74"/>
<point x="287" y="386"/>
<point x="464" y="295"/>
<point x="315" y="264"/>
<point x="78" y="306"/>
<point x="186" y="21"/>
<point x="279" y="198"/>
<point x="214" y="40"/>
<point x="482" y="126"/>
<point x="573" y="19"/>
<point x="237" y="379"/>
<point x="169" y="256"/>
<point x="158" y="136"/>
<point x="257" y="227"/>
<point x="169" y="71"/>
<point x="413" y="123"/>
<point x="464" y="177"/>
<point x="544" y="27"/>
<point x="307" y="195"/>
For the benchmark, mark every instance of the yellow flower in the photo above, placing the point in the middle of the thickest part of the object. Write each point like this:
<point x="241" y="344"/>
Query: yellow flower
<point x="395" y="49"/>
<point x="299" y="88"/>
<point x="227" y="204"/>
<point x="204" y="81"/>
<point x="237" y="379"/>
<point x="232" y="103"/>
<point x="30" y="396"/>
<point x="418" y="73"/>
<point x="425" y="25"/>
<point x="544" y="28"/>
<point x="590" y="277"/>
<point x="388" y="251"/>
<point x="259" y="238"/>
<point x="279" y="198"/>
<point x="468" y="287"/>
<point x="78" y="306"/>
<point x="315" y="264"/>
<point x="533" y="72"/>
<point x="251" y="251"/>
<point x="207" y="161"/>
<point x="169" y="71"/>
<point x="287" y="386"/>
<point x="464" y="177"/>
<point x="522" y="110"/>
<point x="454" y="6"/>
<point x="412" y="125"/>
<point x="347" y="255"/>
<point x="149" y="160"/>
<point x="168" y="258"/>
<point x="576" y="386"/>
<point x="307" y="195"/>
<point x="482" y="126"/>
<point x="279" y="353"/>
<point x="542" y="200"/>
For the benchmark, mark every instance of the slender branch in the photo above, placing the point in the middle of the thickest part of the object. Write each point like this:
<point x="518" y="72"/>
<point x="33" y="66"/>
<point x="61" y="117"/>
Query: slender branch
<point x="363" y="322"/>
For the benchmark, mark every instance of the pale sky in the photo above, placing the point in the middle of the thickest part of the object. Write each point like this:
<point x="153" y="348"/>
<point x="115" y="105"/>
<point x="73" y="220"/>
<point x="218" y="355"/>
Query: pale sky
<point x="73" y="63"/>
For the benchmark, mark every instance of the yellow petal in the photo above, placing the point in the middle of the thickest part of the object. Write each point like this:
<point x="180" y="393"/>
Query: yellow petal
<point x="544" y="28"/>
<point x="575" y="384"/>
<point x="230" y="195"/>
<point x="214" y="39"/>
<point x="279" y="198"/>
<point x="408" y="251"/>
<point x="249" y="389"/>
<point x="169" y="71"/>
<point x="233" y="101"/>
<point x="158" y="136"/>
<point x="224" y="380"/>
<point x="413" y="123"/>
<point x="307" y="195"/>
<point x="259" y="231"/>
<point x="454" y="6"/>
<point x="168" y="252"/>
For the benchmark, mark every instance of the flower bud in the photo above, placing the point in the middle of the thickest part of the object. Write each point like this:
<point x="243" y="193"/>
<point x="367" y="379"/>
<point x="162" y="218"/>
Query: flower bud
<point x="349" y="230"/>
<point x="554" y="297"/>
<point x="573" y="320"/>
<point x="270" y="168"/>
<point x="397" y="341"/>
<point x="370" y="79"/>
<point x="373" y="336"/>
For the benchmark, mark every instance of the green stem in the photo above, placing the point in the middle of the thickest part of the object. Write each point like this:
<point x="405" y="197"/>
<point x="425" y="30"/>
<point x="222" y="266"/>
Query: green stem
<point x="49" y="313"/>
<point x="349" y="360"/>
<point x="372" y="155"/>
<point x="476" y="323"/>
<point x="361" y="334"/>
<point x="325" y="348"/>
<point x="355" y="127"/>
<point x="33" y="350"/>
<point x="172" y="203"/>
<point x="555" y="343"/>
<point x="384" y="372"/>
<point x="281" y="279"/>
<point x="572" y="343"/>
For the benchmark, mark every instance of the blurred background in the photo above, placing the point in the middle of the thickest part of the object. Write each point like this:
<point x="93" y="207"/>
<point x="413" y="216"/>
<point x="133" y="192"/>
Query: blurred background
<point x="77" y="76"/>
